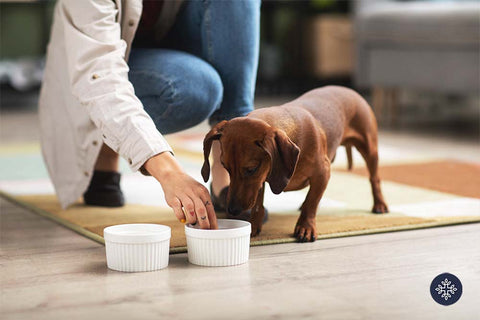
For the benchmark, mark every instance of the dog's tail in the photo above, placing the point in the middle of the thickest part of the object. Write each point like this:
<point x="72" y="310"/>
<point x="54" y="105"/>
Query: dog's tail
<point x="348" y="148"/>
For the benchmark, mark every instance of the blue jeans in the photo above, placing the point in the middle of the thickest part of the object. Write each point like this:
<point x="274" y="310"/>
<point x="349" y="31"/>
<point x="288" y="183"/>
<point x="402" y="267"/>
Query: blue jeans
<point x="204" y="68"/>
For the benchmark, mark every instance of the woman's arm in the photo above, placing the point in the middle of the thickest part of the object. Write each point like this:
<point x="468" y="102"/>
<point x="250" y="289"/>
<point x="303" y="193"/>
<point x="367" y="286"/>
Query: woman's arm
<point x="98" y="76"/>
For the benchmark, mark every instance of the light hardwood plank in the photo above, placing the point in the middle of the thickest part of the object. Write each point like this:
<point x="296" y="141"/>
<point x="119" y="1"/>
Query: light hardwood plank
<point x="49" y="272"/>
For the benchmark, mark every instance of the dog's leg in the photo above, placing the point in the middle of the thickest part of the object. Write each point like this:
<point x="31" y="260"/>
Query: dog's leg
<point x="369" y="152"/>
<point x="258" y="212"/>
<point x="306" y="228"/>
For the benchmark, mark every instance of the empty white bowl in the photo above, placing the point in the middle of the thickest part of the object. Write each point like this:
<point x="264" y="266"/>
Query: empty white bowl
<point x="227" y="246"/>
<point x="137" y="247"/>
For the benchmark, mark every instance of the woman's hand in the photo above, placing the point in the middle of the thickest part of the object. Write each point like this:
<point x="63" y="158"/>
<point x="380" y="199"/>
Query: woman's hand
<point x="189" y="199"/>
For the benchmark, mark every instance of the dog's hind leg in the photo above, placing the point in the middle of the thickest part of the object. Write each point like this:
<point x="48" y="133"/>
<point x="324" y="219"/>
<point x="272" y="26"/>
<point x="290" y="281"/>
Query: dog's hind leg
<point x="369" y="150"/>
<point x="306" y="228"/>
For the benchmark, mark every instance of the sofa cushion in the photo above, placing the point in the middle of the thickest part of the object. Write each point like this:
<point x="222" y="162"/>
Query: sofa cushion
<point x="420" y="23"/>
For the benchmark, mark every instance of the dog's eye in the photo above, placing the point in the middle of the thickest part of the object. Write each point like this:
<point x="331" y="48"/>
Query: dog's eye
<point x="250" y="171"/>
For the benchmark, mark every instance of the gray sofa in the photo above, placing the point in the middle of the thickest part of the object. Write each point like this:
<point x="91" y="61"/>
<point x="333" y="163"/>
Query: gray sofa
<point x="421" y="45"/>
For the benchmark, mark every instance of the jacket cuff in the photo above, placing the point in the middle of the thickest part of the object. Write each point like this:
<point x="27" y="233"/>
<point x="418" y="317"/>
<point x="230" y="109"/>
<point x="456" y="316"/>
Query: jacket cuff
<point x="138" y="158"/>
<point x="141" y="143"/>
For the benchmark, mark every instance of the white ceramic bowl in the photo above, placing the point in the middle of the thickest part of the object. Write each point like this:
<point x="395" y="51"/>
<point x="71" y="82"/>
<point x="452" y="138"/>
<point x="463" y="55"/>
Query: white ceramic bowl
<point x="137" y="247"/>
<point x="227" y="246"/>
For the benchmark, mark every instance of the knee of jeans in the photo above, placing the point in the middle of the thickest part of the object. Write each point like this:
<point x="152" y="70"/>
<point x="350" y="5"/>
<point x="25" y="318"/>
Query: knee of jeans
<point x="204" y="92"/>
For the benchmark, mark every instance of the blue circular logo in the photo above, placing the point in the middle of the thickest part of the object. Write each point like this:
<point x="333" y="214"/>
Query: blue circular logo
<point x="446" y="289"/>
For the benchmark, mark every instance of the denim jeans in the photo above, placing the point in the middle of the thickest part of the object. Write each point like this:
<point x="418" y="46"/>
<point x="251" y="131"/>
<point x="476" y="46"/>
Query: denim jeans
<point x="204" y="68"/>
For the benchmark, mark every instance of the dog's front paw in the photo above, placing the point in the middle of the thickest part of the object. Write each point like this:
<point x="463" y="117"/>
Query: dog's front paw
<point x="305" y="231"/>
<point x="256" y="227"/>
<point x="256" y="219"/>
<point x="255" y="230"/>
<point x="380" y="207"/>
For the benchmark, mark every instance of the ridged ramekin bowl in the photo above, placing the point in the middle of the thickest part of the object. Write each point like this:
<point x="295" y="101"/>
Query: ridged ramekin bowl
<point x="228" y="245"/>
<point x="137" y="247"/>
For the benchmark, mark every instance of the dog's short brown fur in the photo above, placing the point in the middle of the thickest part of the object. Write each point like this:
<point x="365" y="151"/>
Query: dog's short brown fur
<point x="291" y="146"/>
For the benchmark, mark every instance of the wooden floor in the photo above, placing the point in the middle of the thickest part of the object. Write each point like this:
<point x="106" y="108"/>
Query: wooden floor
<point x="49" y="272"/>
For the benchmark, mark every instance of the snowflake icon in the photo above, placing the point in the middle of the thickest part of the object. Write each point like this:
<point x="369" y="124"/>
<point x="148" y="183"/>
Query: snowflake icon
<point x="446" y="289"/>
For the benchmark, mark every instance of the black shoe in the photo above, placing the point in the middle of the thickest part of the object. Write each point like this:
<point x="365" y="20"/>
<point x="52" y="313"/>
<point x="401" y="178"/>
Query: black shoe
<point x="104" y="190"/>
<point x="220" y="204"/>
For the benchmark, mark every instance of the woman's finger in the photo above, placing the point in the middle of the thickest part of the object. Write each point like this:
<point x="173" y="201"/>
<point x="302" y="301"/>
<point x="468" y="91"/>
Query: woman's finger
<point x="212" y="217"/>
<point x="201" y="212"/>
<point x="189" y="208"/>
<point x="176" y="205"/>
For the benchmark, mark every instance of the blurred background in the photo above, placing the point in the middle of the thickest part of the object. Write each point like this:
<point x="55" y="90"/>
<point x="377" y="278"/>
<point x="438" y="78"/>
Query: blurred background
<point x="417" y="62"/>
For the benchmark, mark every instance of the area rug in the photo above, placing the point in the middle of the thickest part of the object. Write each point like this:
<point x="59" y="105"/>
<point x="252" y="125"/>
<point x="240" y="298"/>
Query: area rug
<point x="332" y="221"/>
<point x="421" y="192"/>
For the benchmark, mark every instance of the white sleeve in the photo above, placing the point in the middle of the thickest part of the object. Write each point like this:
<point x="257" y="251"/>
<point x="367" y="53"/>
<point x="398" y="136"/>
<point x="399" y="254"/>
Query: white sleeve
<point x="98" y="76"/>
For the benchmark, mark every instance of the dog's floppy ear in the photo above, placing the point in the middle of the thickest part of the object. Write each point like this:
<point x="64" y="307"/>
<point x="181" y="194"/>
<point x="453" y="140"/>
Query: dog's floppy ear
<point x="284" y="156"/>
<point x="214" y="134"/>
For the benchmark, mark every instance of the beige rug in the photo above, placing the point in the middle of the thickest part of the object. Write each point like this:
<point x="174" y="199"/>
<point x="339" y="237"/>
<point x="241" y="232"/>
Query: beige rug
<point x="337" y="222"/>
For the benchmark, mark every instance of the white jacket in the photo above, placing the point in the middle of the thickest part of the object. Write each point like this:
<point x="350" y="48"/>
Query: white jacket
<point x="86" y="97"/>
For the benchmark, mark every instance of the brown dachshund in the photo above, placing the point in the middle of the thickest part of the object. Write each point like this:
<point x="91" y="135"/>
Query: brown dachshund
<point x="292" y="146"/>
